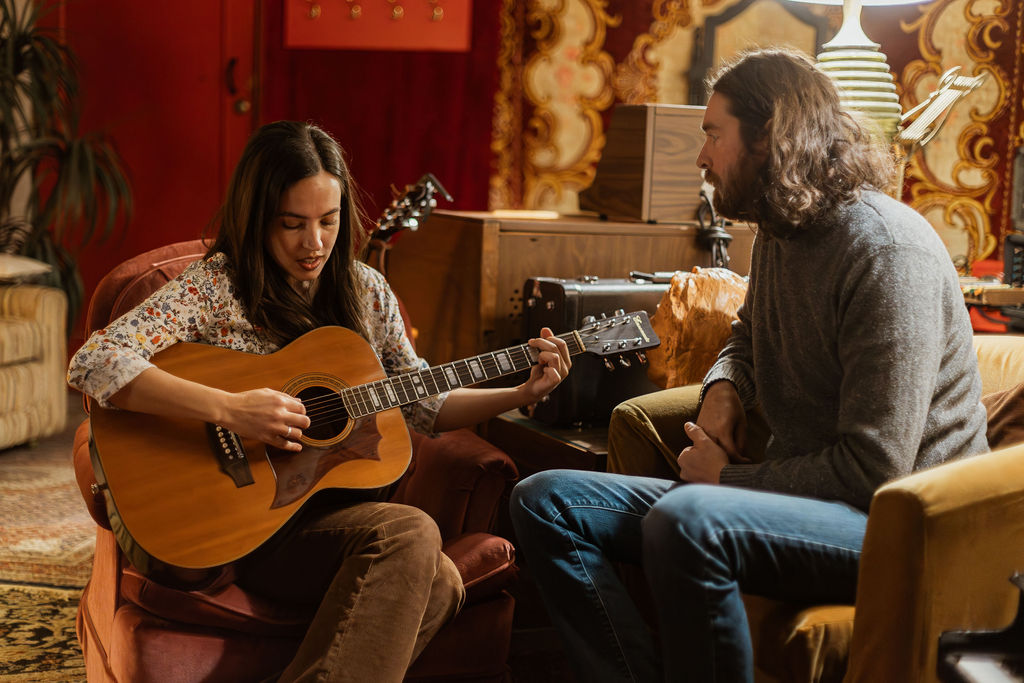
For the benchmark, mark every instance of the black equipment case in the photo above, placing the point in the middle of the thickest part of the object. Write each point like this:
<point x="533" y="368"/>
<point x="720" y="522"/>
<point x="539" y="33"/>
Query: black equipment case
<point x="594" y="386"/>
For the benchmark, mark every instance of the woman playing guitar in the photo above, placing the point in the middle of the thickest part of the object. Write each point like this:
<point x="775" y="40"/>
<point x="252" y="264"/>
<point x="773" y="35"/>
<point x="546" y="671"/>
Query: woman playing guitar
<point x="284" y="263"/>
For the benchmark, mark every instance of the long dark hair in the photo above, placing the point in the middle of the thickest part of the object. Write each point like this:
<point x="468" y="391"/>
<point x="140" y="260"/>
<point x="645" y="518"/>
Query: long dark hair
<point x="818" y="155"/>
<point x="277" y="156"/>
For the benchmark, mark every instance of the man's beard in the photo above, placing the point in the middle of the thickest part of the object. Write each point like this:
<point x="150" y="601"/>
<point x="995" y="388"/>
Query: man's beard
<point x="736" y="197"/>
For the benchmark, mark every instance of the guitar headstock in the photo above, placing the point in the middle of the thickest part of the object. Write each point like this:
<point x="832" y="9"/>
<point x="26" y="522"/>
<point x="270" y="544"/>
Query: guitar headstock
<point x="409" y="209"/>
<point x="621" y="333"/>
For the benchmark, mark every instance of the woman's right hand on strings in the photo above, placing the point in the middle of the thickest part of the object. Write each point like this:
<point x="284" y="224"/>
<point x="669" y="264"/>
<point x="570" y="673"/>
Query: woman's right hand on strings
<point x="274" y="417"/>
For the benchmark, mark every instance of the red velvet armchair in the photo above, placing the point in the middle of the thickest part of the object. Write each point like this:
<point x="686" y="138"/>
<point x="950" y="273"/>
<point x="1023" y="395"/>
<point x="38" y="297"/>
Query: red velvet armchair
<point x="134" y="629"/>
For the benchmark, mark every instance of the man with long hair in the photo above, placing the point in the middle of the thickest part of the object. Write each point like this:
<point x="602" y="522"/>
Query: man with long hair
<point x="855" y="348"/>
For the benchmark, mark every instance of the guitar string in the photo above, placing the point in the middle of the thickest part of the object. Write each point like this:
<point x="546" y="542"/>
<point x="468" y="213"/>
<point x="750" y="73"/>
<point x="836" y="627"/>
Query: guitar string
<point x="330" y="399"/>
<point x="328" y="405"/>
<point x="489" y="365"/>
<point x="488" y="361"/>
<point x="332" y="406"/>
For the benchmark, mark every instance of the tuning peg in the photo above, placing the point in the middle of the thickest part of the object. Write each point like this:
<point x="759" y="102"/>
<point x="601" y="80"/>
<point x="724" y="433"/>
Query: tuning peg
<point x="624" y="362"/>
<point x="603" y="316"/>
<point x="619" y="312"/>
<point x="609" y="365"/>
<point x="589" y="320"/>
<point x="641" y="357"/>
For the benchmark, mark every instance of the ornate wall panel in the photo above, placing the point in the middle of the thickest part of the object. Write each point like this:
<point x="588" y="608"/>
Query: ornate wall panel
<point x="567" y="80"/>
<point x="506" y="185"/>
<point x="959" y="180"/>
<point x="567" y="62"/>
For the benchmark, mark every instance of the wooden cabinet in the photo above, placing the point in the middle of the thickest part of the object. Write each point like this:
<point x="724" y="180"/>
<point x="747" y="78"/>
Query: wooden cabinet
<point x="461" y="274"/>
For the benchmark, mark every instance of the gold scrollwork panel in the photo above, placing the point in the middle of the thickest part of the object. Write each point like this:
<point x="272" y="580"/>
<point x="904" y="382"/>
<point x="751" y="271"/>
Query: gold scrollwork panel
<point x="954" y="181"/>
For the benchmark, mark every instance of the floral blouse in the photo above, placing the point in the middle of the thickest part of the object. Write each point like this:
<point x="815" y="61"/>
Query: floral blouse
<point x="201" y="305"/>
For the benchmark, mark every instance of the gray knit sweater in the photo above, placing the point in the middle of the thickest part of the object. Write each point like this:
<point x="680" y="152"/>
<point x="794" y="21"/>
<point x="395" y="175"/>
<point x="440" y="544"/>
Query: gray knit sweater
<point x="855" y="343"/>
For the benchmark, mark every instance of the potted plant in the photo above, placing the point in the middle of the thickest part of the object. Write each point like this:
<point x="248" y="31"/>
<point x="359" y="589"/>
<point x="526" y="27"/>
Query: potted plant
<point x="59" y="188"/>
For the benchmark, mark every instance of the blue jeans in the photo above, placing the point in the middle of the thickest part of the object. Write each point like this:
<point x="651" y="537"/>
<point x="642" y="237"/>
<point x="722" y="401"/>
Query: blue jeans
<point x="700" y="546"/>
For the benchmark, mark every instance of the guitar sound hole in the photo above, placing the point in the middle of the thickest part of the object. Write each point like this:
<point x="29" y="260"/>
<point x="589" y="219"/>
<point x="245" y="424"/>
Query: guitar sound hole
<point x="326" y="412"/>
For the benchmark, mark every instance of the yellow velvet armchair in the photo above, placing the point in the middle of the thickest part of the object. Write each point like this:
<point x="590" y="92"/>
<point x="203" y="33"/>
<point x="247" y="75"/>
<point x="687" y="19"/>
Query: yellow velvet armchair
<point x="33" y="360"/>
<point x="939" y="551"/>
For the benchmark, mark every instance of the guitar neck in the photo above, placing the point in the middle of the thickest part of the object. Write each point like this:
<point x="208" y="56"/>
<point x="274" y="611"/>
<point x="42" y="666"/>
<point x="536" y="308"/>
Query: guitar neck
<point x="410" y="387"/>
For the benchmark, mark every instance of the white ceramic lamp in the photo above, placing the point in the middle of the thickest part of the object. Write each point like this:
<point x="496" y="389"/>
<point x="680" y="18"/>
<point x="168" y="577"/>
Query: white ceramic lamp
<point x="859" y="68"/>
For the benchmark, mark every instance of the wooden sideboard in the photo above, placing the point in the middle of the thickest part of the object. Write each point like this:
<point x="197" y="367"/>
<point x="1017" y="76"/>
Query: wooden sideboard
<point x="461" y="274"/>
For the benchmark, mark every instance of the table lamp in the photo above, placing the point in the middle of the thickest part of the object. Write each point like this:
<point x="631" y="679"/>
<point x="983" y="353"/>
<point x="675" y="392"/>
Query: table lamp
<point x="859" y="68"/>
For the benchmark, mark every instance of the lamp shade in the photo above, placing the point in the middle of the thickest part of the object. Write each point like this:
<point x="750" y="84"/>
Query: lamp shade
<point x="851" y="34"/>
<point x="859" y="68"/>
<point x="865" y="3"/>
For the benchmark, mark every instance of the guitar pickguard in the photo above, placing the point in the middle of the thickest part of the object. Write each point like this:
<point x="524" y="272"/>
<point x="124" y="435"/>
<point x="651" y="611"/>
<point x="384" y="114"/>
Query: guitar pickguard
<point x="298" y="473"/>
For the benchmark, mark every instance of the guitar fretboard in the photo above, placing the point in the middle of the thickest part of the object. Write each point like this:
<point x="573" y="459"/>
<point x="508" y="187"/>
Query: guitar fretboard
<point x="409" y="387"/>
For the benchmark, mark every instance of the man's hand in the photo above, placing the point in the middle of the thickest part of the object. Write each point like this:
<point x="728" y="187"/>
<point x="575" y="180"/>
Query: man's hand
<point x="553" y="364"/>
<point x="273" y="417"/>
<point x="723" y="420"/>
<point x="702" y="462"/>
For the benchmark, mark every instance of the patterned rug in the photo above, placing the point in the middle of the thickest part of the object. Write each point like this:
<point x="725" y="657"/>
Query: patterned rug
<point x="46" y="534"/>
<point x="37" y="634"/>
<point x="47" y="540"/>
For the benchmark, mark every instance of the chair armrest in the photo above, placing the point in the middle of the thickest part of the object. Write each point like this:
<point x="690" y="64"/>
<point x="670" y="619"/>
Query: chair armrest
<point x="459" y="479"/>
<point x="48" y="308"/>
<point x="940" y="548"/>
<point x="486" y="563"/>
<point x="1000" y="359"/>
<point x="34" y="302"/>
<point x="86" y="478"/>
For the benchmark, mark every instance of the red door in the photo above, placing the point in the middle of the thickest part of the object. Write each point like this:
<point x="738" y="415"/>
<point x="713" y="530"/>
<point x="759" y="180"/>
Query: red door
<point x="172" y="85"/>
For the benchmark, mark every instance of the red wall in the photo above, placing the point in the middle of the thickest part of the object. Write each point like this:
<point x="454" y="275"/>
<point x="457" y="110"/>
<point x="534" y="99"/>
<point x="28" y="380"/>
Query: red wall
<point x="153" y="79"/>
<point x="397" y="114"/>
<point x="150" y="80"/>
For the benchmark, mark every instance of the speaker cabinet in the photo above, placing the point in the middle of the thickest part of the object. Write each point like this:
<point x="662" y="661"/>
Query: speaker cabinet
<point x="648" y="169"/>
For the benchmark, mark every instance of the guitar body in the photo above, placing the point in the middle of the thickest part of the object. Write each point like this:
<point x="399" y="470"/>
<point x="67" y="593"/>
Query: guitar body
<point x="192" y="496"/>
<point x="164" y="479"/>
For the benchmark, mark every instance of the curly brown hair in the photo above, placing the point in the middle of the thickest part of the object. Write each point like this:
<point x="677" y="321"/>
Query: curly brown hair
<point x="819" y="157"/>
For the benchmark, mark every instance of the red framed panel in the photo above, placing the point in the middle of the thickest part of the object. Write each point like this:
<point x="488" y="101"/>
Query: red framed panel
<point x="440" y="25"/>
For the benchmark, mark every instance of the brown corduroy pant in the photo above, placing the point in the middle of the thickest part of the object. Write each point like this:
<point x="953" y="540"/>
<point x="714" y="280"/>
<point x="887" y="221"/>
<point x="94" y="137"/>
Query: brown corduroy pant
<point x="645" y="435"/>
<point x="383" y="586"/>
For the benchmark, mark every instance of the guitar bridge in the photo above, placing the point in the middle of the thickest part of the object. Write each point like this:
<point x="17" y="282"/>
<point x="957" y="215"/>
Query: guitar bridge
<point x="230" y="454"/>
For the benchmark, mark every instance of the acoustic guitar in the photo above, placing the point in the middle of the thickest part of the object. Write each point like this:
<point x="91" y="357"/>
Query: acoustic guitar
<point x="194" y="495"/>
<point x="407" y="211"/>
